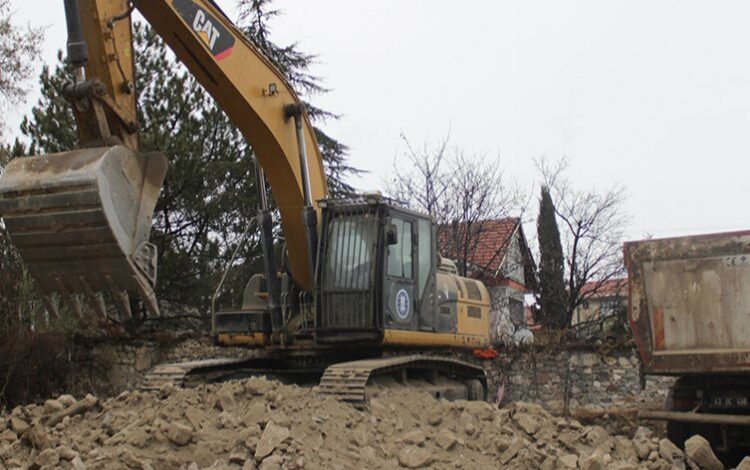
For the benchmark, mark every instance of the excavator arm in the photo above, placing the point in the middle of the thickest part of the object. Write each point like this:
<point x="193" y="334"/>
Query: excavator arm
<point x="258" y="100"/>
<point x="81" y="219"/>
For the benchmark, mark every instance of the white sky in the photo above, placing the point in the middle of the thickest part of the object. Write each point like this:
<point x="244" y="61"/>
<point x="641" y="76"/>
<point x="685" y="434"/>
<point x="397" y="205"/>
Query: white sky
<point x="654" y="95"/>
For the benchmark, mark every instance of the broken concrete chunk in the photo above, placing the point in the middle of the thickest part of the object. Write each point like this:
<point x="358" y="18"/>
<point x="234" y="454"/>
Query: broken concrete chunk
<point x="415" y="437"/>
<point x="179" y="434"/>
<point x="414" y="457"/>
<point x="699" y="450"/>
<point x="567" y="461"/>
<point x="272" y="436"/>
<point x="47" y="458"/>
<point x="52" y="406"/>
<point x="529" y="425"/>
<point x="67" y="400"/>
<point x="515" y="446"/>
<point x="446" y="439"/>
<point x="18" y="425"/>
<point x="745" y="464"/>
<point x="669" y="451"/>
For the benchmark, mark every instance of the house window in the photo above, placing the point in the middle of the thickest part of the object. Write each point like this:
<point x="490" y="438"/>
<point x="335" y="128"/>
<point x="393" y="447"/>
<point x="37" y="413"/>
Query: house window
<point x="515" y="308"/>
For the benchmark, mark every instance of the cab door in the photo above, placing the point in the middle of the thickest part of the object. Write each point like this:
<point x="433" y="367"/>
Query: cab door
<point x="400" y="301"/>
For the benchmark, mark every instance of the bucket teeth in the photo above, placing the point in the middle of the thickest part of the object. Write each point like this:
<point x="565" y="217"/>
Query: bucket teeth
<point x="81" y="220"/>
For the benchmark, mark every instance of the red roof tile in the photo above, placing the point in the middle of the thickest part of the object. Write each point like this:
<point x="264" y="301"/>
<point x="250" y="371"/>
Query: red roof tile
<point x="491" y="243"/>
<point x="609" y="288"/>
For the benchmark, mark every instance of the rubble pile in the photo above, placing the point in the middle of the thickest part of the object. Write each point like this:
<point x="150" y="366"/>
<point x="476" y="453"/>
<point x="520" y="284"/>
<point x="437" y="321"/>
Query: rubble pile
<point x="257" y="423"/>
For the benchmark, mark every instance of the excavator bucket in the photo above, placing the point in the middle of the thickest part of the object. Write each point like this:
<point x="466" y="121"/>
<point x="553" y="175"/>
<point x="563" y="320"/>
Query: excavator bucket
<point x="81" y="222"/>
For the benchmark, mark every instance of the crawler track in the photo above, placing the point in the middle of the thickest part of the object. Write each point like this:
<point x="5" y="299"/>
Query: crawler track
<point x="349" y="380"/>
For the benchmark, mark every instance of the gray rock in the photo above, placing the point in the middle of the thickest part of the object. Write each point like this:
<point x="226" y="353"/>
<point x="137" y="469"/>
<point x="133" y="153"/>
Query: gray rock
<point x="51" y="407"/>
<point x="568" y="461"/>
<point x="66" y="453"/>
<point x="415" y="437"/>
<point x="77" y="464"/>
<point x="179" y="433"/>
<point x="272" y="436"/>
<point x="526" y="422"/>
<point x="67" y="400"/>
<point x="668" y="451"/>
<point x="414" y="457"/>
<point x="598" y="460"/>
<point x="745" y="464"/>
<point x="18" y="425"/>
<point x="47" y="457"/>
<point x="446" y="439"/>
<point x="515" y="446"/>
<point x="699" y="450"/>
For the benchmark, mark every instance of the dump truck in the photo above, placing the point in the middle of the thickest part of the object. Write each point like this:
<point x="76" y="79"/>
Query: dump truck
<point x="689" y="309"/>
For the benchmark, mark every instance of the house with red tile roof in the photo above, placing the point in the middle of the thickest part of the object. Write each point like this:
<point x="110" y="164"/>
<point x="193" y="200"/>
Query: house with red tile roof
<point x="497" y="253"/>
<point x="603" y="299"/>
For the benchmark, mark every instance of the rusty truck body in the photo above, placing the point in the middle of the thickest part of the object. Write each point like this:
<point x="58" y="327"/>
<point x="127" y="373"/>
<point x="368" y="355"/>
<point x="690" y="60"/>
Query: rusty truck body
<point x="689" y="309"/>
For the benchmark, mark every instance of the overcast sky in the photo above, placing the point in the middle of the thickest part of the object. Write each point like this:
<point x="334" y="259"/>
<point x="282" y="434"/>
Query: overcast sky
<point x="651" y="94"/>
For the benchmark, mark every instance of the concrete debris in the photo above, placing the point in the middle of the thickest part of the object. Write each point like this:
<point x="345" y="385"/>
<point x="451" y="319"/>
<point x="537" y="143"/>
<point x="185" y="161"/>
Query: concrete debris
<point x="262" y="424"/>
<point x="745" y="464"/>
<point x="699" y="451"/>
<point x="414" y="457"/>
<point x="179" y="434"/>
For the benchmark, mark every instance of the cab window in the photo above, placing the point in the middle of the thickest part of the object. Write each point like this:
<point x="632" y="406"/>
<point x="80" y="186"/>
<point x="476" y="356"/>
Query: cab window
<point x="399" y="255"/>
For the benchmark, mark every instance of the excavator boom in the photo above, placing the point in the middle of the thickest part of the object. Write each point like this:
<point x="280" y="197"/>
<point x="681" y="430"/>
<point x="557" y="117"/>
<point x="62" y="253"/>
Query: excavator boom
<point x="81" y="219"/>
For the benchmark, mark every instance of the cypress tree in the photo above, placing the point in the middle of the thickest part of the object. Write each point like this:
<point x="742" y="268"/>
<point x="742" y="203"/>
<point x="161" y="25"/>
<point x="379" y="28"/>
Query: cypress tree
<point x="552" y="294"/>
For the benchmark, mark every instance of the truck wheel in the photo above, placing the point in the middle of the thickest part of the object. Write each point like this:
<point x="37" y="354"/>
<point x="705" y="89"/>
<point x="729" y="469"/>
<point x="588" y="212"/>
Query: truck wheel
<point x="677" y="431"/>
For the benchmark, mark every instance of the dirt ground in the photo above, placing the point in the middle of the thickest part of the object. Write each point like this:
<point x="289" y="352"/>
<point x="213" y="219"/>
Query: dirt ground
<point x="257" y="423"/>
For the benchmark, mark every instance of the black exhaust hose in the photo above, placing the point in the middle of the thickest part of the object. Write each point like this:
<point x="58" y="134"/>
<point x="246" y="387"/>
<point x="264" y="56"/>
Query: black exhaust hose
<point x="269" y="263"/>
<point x="77" y="49"/>
<point x="310" y="221"/>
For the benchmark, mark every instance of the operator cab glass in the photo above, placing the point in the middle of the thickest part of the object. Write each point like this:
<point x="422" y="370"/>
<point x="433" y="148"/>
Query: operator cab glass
<point x="374" y="267"/>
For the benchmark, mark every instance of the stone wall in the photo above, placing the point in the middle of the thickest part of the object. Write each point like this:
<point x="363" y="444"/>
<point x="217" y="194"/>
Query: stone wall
<point x="585" y="377"/>
<point x="107" y="368"/>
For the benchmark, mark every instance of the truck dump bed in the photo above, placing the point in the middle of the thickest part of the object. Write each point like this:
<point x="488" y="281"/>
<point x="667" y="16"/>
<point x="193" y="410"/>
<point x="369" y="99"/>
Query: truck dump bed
<point x="689" y="303"/>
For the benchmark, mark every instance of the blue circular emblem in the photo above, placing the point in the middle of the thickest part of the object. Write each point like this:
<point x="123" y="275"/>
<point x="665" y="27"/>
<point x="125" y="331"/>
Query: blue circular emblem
<point x="402" y="304"/>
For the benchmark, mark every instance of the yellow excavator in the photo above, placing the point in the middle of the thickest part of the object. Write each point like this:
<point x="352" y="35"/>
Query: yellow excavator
<point x="362" y="284"/>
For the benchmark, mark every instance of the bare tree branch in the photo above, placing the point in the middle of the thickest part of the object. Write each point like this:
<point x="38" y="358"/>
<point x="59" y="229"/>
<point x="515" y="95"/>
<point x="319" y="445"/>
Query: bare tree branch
<point x="463" y="192"/>
<point x="592" y="232"/>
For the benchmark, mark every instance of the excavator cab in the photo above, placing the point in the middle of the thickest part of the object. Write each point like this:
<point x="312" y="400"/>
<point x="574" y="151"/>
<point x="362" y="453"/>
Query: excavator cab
<point x="376" y="270"/>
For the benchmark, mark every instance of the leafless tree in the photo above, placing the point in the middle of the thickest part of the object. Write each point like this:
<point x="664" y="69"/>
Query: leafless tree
<point x="463" y="192"/>
<point x="592" y="227"/>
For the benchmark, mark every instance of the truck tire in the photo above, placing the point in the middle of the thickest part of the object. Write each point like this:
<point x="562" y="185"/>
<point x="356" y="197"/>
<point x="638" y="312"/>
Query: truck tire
<point x="677" y="431"/>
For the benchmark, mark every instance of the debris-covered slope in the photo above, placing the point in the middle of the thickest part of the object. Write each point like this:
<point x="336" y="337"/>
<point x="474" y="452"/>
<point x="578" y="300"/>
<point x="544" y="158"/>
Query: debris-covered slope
<point x="261" y="423"/>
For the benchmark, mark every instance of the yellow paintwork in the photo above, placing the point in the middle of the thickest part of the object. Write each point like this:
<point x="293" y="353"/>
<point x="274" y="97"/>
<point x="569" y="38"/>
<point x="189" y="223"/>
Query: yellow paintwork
<point x="106" y="48"/>
<point x="472" y="325"/>
<point x="248" y="340"/>
<point x="238" y="82"/>
<point x="426" y="338"/>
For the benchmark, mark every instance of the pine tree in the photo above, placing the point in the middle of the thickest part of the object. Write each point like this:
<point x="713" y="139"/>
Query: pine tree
<point x="552" y="294"/>
<point x="254" y="19"/>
